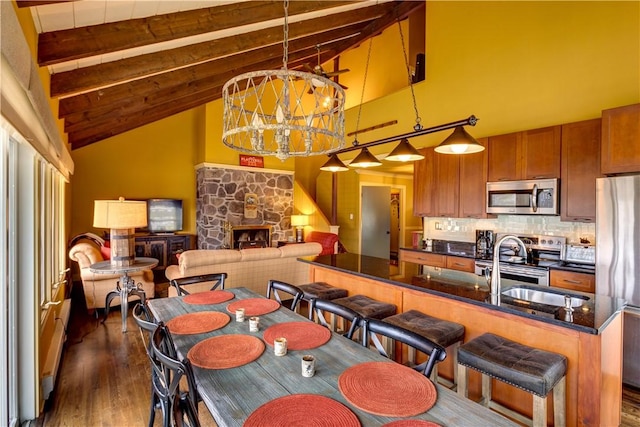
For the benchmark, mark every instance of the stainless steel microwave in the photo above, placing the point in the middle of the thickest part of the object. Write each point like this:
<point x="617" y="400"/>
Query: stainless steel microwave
<point x="529" y="197"/>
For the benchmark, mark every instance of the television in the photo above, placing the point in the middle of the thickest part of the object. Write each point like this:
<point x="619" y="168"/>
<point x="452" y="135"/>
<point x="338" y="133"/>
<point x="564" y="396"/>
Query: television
<point x="164" y="215"/>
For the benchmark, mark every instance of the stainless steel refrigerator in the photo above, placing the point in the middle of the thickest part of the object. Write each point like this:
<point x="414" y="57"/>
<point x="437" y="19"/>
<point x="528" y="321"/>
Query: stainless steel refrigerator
<point x="618" y="259"/>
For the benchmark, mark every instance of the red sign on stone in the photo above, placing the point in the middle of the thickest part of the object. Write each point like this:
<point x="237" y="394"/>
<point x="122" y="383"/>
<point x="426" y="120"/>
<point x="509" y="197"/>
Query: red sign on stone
<point x="251" y="161"/>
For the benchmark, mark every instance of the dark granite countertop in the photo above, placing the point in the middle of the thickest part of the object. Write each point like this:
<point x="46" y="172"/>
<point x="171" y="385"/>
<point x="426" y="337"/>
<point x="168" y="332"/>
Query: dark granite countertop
<point x="592" y="317"/>
<point x="573" y="268"/>
<point x="447" y="247"/>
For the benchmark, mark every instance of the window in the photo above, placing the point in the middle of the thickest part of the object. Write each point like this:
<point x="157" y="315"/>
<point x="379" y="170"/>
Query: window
<point x="32" y="267"/>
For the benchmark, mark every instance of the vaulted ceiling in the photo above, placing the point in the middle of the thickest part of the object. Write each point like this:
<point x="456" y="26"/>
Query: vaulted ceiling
<point x="118" y="65"/>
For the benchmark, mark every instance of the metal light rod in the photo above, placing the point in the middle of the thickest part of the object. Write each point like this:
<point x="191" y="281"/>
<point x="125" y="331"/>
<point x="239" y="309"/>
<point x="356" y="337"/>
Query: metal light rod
<point x="470" y="121"/>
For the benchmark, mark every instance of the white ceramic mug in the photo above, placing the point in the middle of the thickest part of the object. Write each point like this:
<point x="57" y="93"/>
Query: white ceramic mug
<point x="254" y="324"/>
<point x="240" y="315"/>
<point x="280" y="346"/>
<point x="308" y="365"/>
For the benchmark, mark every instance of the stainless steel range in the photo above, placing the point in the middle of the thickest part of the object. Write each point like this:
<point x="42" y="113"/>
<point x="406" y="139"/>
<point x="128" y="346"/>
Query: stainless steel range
<point x="532" y="267"/>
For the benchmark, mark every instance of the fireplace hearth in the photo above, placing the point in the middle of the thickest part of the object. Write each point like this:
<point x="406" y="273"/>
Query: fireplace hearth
<point x="252" y="234"/>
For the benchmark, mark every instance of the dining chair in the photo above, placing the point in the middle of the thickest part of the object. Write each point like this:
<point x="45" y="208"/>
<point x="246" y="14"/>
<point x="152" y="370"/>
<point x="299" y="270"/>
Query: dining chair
<point x="147" y="327"/>
<point x="179" y="407"/>
<point x="276" y="286"/>
<point x="374" y="327"/>
<point x="180" y="283"/>
<point x="319" y="306"/>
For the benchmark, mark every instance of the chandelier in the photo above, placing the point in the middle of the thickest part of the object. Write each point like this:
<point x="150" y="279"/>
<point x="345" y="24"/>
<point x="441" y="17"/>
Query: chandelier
<point x="283" y="113"/>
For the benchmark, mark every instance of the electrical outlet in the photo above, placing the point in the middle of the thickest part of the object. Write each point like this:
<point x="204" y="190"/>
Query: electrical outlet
<point x="351" y="216"/>
<point x="438" y="226"/>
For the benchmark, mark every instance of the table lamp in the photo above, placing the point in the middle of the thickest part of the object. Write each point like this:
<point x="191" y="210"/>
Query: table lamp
<point x="121" y="217"/>
<point x="299" y="221"/>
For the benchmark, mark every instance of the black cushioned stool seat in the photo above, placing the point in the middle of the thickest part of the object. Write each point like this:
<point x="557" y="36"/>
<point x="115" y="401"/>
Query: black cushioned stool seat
<point x="367" y="307"/>
<point x="442" y="332"/>
<point x="531" y="369"/>
<point x="322" y="290"/>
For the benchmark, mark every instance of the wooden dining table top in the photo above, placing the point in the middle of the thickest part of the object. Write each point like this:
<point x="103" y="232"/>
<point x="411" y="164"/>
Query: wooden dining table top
<point x="233" y="394"/>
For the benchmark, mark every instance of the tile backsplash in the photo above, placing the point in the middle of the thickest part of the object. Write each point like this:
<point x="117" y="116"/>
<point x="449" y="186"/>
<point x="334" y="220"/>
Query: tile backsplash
<point x="464" y="230"/>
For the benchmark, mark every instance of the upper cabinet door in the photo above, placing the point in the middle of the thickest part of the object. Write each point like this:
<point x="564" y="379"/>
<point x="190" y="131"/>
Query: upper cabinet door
<point x="473" y="190"/>
<point x="620" y="140"/>
<point x="580" y="168"/>
<point x="447" y="184"/>
<point x="541" y="153"/>
<point x="423" y="178"/>
<point x="505" y="158"/>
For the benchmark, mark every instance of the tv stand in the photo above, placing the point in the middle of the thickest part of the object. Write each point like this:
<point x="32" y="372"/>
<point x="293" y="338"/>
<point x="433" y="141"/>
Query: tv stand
<point x="163" y="247"/>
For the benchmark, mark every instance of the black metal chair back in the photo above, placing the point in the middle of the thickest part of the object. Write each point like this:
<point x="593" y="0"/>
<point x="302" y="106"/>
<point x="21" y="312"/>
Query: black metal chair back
<point x="147" y="327"/>
<point x="320" y="306"/>
<point x="179" y="407"/>
<point x="276" y="286"/>
<point x="435" y="352"/>
<point x="217" y="279"/>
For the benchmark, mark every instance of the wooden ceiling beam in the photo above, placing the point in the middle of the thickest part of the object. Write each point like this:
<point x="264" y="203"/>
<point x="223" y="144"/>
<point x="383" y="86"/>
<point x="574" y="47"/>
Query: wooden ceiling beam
<point x="109" y="126"/>
<point x="92" y="77"/>
<point x="140" y="91"/>
<point x="55" y="47"/>
<point x="99" y="120"/>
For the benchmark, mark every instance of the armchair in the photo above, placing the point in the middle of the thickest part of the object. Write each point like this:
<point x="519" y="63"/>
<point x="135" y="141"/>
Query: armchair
<point x="97" y="286"/>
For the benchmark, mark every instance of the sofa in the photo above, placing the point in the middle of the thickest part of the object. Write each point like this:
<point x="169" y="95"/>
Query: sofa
<point x="249" y="268"/>
<point x="97" y="286"/>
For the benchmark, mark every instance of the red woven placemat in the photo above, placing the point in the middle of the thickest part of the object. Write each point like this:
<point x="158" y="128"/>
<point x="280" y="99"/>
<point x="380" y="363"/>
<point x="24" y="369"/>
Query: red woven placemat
<point x="226" y="351"/>
<point x="254" y="306"/>
<point x="208" y="297"/>
<point x="299" y="335"/>
<point x="198" y="323"/>
<point x="302" y="410"/>
<point x="388" y="389"/>
<point x="411" y="423"/>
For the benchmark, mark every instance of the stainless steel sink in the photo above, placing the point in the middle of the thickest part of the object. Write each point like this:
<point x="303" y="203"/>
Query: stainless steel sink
<point x="543" y="297"/>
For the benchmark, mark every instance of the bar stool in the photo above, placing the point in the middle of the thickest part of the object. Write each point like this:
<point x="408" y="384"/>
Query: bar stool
<point x="367" y="307"/>
<point x="442" y="332"/>
<point x="536" y="371"/>
<point x="323" y="291"/>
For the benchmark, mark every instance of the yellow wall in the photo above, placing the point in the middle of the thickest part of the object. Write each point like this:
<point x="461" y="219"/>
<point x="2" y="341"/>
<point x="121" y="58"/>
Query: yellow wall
<point x="515" y="65"/>
<point x="156" y="160"/>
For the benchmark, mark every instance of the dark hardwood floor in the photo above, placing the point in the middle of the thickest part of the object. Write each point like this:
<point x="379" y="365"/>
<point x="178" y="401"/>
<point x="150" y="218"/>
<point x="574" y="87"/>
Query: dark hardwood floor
<point x="104" y="376"/>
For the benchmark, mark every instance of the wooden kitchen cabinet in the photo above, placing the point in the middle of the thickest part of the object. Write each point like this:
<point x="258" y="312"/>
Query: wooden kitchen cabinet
<point x="583" y="282"/>
<point x="446" y="187"/>
<point x="423" y="183"/>
<point x="504" y="157"/>
<point x="580" y="168"/>
<point x="531" y="154"/>
<point x="451" y="186"/>
<point x="424" y="258"/>
<point x="473" y="178"/>
<point x="620" y="140"/>
<point x="164" y="248"/>
<point x="461" y="264"/>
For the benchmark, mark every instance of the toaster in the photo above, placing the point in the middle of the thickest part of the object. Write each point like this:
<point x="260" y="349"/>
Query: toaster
<point x="579" y="254"/>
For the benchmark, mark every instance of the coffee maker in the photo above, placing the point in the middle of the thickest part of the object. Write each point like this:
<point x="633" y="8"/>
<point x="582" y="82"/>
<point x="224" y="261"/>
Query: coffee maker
<point x="484" y="244"/>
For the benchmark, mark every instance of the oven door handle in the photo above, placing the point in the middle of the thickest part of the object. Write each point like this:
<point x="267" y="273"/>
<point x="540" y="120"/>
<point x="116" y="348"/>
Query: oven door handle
<point x="534" y="198"/>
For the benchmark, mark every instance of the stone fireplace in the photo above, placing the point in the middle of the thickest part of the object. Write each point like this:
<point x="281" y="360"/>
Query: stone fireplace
<point x="220" y="204"/>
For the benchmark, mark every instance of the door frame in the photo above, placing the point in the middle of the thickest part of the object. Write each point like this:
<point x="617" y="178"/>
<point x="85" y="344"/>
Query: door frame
<point x="403" y="191"/>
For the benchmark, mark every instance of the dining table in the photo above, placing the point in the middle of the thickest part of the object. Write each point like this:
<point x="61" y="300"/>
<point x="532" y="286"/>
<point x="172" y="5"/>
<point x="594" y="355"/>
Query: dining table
<point x="236" y="395"/>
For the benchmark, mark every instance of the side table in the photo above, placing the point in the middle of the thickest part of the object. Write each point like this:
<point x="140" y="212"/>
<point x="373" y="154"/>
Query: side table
<point x="126" y="286"/>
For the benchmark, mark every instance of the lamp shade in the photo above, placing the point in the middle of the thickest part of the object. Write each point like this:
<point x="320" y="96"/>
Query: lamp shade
<point x="459" y="142"/>
<point x="119" y="214"/>
<point x="334" y="164"/>
<point x="404" y="152"/>
<point x="299" y="220"/>
<point x="365" y="160"/>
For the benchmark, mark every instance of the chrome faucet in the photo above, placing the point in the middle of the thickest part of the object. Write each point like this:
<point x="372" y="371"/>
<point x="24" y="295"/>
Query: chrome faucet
<point x="495" y="268"/>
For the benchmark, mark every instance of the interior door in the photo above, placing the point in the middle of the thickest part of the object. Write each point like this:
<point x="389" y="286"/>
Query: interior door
<point x="376" y="221"/>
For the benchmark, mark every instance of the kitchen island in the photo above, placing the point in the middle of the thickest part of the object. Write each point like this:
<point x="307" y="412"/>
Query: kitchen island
<point x="590" y="338"/>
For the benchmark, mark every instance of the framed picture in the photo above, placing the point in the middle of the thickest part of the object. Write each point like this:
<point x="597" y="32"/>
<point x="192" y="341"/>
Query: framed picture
<point x="250" y="205"/>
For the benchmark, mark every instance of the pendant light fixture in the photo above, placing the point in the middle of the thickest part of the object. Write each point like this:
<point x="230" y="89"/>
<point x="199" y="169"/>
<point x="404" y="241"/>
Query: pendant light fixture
<point x="404" y="152"/>
<point x="334" y="164"/>
<point x="283" y="112"/>
<point x="459" y="142"/>
<point x="365" y="160"/>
